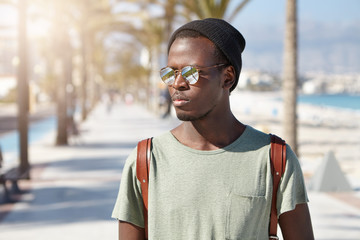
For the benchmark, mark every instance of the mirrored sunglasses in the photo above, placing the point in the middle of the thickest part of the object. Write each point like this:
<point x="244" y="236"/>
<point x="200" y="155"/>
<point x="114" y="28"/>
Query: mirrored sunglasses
<point x="189" y="73"/>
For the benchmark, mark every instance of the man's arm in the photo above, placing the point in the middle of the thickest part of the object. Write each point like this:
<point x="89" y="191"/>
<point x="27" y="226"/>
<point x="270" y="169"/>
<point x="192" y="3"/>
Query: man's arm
<point x="128" y="231"/>
<point x="296" y="224"/>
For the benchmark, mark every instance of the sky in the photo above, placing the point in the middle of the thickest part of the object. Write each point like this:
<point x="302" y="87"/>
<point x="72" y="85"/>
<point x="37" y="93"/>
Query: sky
<point x="328" y="40"/>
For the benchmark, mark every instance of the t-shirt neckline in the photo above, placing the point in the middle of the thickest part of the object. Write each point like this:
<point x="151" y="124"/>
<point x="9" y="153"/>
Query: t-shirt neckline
<point x="232" y="145"/>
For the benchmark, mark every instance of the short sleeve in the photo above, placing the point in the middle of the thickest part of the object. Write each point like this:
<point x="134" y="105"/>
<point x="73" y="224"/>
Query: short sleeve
<point x="292" y="190"/>
<point x="129" y="203"/>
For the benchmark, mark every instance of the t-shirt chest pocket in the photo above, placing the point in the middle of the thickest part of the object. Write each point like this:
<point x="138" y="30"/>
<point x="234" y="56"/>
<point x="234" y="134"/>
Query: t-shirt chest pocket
<point x="243" y="214"/>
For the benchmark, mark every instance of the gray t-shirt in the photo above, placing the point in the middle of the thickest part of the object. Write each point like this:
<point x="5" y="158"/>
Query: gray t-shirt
<point x="219" y="194"/>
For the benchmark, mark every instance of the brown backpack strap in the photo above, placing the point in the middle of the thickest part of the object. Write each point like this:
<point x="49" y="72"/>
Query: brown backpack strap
<point x="278" y="162"/>
<point x="142" y="174"/>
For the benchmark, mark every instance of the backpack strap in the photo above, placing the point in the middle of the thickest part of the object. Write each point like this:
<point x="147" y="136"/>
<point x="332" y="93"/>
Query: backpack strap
<point x="278" y="162"/>
<point x="142" y="174"/>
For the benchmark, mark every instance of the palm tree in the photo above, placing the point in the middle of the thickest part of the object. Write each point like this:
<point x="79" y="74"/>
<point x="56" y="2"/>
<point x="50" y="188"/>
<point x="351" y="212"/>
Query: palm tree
<point x="86" y="20"/>
<point x="58" y="53"/>
<point x="290" y="76"/>
<point x="94" y="17"/>
<point x="22" y="82"/>
<point x="23" y="88"/>
<point x="210" y="8"/>
<point x="148" y="38"/>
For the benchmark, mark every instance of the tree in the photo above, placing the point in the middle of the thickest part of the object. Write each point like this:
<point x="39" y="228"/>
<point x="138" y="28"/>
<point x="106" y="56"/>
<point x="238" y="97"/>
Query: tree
<point x="148" y="36"/>
<point x="64" y="76"/>
<point x="93" y="18"/>
<point x="74" y="25"/>
<point x="290" y="76"/>
<point x="210" y="8"/>
<point x="23" y="88"/>
<point x="58" y="53"/>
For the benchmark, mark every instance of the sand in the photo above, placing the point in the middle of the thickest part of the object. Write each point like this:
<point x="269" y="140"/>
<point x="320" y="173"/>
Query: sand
<point x="321" y="129"/>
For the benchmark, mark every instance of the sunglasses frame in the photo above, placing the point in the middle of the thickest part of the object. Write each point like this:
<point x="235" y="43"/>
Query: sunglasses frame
<point x="176" y="72"/>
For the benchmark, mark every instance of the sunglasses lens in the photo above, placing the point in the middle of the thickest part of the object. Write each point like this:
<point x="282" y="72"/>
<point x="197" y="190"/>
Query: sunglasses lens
<point x="167" y="75"/>
<point x="190" y="74"/>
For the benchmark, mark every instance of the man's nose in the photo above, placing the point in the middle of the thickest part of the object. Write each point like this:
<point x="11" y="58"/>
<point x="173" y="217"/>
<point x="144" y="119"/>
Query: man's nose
<point x="180" y="82"/>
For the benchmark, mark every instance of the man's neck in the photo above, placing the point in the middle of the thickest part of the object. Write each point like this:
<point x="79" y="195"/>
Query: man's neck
<point x="209" y="134"/>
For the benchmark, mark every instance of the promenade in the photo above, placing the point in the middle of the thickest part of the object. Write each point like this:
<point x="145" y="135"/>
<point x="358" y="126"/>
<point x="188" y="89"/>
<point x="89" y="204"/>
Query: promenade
<point x="73" y="188"/>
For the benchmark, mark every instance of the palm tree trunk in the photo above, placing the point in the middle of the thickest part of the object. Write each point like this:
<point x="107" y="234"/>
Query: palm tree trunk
<point x="290" y="76"/>
<point x="84" y="83"/>
<point x="63" y="46"/>
<point x="61" y="137"/>
<point x="23" y="89"/>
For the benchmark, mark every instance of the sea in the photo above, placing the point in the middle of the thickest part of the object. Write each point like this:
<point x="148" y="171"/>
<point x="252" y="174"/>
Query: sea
<point x="9" y="141"/>
<point x="343" y="101"/>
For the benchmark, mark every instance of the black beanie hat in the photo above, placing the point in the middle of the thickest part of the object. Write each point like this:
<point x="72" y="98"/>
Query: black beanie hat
<point x="227" y="38"/>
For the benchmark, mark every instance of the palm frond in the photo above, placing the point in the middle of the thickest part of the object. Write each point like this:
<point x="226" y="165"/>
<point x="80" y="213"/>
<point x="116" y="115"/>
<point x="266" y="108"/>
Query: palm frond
<point x="238" y="9"/>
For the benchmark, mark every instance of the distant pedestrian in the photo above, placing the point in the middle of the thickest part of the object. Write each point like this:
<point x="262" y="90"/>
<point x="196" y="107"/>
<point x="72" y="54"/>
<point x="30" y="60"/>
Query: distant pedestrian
<point x="1" y="158"/>
<point x="210" y="177"/>
<point x="165" y="103"/>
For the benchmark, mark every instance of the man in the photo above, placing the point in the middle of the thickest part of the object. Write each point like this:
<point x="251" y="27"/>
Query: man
<point x="210" y="177"/>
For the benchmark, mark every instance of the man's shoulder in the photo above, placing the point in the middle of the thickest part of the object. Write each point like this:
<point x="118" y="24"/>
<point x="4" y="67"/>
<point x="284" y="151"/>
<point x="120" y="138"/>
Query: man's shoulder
<point x="164" y="140"/>
<point x="255" y="135"/>
<point x="163" y="137"/>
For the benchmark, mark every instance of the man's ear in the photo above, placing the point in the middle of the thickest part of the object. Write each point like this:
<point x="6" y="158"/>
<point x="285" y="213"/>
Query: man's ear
<point x="229" y="77"/>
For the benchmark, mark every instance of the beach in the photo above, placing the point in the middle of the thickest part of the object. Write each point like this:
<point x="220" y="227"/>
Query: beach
<point x="320" y="130"/>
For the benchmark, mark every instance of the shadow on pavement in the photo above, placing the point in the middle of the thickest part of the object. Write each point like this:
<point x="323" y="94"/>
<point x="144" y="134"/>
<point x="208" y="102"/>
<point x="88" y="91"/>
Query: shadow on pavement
<point x="52" y="205"/>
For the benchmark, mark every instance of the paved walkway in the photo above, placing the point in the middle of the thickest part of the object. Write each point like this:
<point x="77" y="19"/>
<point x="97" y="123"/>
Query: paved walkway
<point x="73" y="188"/>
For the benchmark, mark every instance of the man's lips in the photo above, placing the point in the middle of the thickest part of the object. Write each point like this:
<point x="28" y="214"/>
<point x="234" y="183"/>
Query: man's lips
<point x="179" y="100"/>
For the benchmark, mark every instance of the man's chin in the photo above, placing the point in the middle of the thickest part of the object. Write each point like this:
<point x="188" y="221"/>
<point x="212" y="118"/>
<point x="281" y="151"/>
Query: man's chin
<point x="187" y="117"/>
